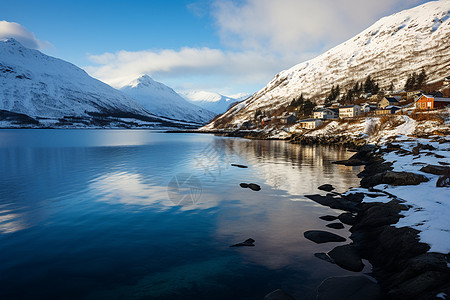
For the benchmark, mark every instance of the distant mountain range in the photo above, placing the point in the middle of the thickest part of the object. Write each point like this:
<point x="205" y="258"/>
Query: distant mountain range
<point x="163" y="101"/>
<point x="213" y="101"/>
<point x="39" y="90"/>
<point x="389" y="51"/>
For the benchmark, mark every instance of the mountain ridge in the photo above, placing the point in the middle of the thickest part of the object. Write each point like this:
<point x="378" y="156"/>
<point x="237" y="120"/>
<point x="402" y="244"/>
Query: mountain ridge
<point x="389" y="50"/>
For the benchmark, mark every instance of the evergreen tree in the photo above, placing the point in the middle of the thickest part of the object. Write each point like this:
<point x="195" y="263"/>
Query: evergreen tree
<point x="421" y="79"/>
<point x="391" y="87"/>
<point x="368" y="85"/>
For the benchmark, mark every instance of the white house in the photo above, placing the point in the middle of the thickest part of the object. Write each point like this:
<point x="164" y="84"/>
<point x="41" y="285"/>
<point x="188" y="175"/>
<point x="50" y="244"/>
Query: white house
<point x="349" y="111"/>
<point x="310" y="123"/>
<point x="326" y="113"/>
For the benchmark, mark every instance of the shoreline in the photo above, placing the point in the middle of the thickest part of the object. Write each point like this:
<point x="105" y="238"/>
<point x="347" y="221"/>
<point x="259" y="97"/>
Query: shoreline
<point x="402" y="265"/>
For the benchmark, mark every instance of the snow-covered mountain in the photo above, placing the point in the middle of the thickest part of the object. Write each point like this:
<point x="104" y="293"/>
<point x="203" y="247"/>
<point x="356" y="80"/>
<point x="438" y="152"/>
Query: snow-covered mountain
<point x="163" y="101"/>
<point x="38" y="85"/>
<point x="388" y="51"/>
<point x="213" y="101"/>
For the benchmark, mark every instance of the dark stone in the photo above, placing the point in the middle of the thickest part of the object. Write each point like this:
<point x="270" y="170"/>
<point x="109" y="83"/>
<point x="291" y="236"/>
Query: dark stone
<point x="436" y="170"/>
<point x="347" y="218"/>
<point x="376" y="215"/>
<point x="248" y="242"/>
<point x="350" y="162"/>
<point x="254" y="187"/>
<point x="335" y="225"/>
<point x="278" y="295"/>
<point x="354" y="197"/>
<point x="393" y="178"/>
<point x="335" y="202"/>
<point x="375" y="168"/>
<point x="326" y="187"/>
<point x="349" y="288"/>
<point x="415" y="287"/>
<point x="347" y="257"/>
<point x="443" y="181"/>
<point x="324" y="256"/>
<point x="244" y="185"/>
<point x="328" y="218"/>
<point x="239" y="166"/>
<point x="320" y="237"/>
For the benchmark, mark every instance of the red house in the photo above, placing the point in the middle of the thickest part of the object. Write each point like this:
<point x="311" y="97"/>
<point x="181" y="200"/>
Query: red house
<point x="431" y="102"/>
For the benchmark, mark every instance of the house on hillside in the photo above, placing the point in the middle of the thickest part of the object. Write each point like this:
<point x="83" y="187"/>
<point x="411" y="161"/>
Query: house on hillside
<point x="326" y="113"/>
<point x="431" y="102"/>
<point x="349" y="111"/>
<point x="388" y="110"/>
<point x="368" y="107"/>
<point x="388" y="101"/>
<point x="310" y="123"/>
<point x="289" y="119"/>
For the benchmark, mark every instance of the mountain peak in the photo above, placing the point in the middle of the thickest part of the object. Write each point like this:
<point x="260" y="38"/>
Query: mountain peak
<point x="388" y="51"/>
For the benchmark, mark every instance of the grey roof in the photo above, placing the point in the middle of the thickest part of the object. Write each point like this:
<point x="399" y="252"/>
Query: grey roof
<point x="391" y="99"/>
<point x="347" y="106"/>
<point x="308" y="120"/>
<point x="442" y="99"/>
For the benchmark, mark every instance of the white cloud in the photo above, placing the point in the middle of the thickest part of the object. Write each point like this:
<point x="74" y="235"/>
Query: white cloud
<point x="286" y="26"/>
<point x="262" y="37"/>
<point x="185" y="68"/>
<point x="20" y="33"/>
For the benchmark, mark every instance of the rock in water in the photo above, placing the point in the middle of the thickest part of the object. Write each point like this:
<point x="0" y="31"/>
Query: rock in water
<point x="248" y="242"/>
<point x="239" y="166"/>
<point x="254" y="187"/>
<point x="335" y="225"/>
<point x="328" y="218"/>
<point x="278" y="295"/>
<point x="244" y="185"/>
<point x="346" y="257"/>
<point x="320" y="237"/>
<point x="324" y="256"/>
<point x="326" y="187"/>
<point x="349" y="288"/>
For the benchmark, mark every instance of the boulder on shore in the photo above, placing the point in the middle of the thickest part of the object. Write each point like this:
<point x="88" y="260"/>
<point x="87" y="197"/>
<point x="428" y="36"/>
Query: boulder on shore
<point x="346" y="257"/>
<point x="393" y="178"/>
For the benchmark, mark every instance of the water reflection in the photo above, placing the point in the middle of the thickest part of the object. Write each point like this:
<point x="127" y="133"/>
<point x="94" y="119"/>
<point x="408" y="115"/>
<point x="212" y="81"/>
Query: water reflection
<point x="127" y="188"/>
<point x="94" y="204"/>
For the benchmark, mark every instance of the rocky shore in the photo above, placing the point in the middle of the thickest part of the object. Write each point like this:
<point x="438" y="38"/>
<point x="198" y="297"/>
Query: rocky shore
<point x="402" y="265"/>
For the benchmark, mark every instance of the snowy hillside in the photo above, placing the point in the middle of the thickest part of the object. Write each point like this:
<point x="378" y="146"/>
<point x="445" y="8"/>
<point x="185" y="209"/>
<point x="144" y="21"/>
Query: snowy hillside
<point x="38" y="85"/>
<point x="163" y="101"/>
<point x="389" y="51"/>
<point x="213" y="101"/>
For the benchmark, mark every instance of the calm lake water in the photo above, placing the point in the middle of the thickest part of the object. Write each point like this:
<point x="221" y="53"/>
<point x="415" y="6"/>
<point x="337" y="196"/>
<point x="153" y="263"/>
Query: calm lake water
<point x="137" y="214"/>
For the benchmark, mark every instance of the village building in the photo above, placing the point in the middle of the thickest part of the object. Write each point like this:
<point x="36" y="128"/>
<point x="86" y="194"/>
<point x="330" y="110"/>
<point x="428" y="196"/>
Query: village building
<point x="349" y="111"/>
<point x="431" y="102"/>
<point x="310" y="123"/>
<point x="388" y="101"/>
<point x="388" y="110"/>
<point x="368" y="107"/>
<point x="326" y="113"/>
<point x="289" y="119"/>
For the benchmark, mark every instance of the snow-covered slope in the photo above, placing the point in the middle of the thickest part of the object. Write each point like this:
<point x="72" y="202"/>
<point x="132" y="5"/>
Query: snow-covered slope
<point x="389" y="51"/>
<point x="213" y="101"/>
<point x="38" y="85"/>
<point x="163" y="101"/>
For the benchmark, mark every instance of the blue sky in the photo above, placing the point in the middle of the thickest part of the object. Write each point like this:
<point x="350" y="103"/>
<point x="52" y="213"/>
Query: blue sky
<point x="222" y="46"/>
